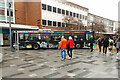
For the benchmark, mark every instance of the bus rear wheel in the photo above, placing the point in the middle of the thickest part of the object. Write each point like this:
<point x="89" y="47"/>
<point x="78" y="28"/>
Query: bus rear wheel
<point x="78" y="46"/>
<point x="35" y="46"/>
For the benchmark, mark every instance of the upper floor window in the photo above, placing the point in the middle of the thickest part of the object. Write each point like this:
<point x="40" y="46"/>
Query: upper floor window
<point x="85" y="17"/>
<point x="70" y="13"/>
<point x="59" y="24"/>
<point x="2" y="12"/>
<point x="80" y="16"/>
<point x="74" y="14"/>
<point x="43" y="22"/>
<point x="8" y="13"/>
<point x="49" y="23"/>
<point x="54" y="23"/>
<point x="67" y="12"/>
<point x="63" y="11"/>
<point x="49" y="8"/>
<point x="59" y="10"/>
<point x="44" y="6"/>
<point x="54" y="9"/>
<point x="77" y="15"/>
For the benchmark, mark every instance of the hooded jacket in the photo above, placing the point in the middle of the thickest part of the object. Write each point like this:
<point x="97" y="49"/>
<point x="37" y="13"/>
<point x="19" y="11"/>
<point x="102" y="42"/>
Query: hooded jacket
<point x="71" y="42"/>
<point x="63" y="44"/>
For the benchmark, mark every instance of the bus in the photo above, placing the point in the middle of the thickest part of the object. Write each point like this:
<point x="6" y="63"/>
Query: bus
<point x="49" y="38"/>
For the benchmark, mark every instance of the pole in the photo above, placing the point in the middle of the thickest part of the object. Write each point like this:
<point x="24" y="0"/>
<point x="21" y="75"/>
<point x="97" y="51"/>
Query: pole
<point x="92" y="26"/>
<point x="10" y="26"/>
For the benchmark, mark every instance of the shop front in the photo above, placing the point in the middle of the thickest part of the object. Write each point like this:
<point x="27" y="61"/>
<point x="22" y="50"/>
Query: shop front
<point x="4" y="32"/>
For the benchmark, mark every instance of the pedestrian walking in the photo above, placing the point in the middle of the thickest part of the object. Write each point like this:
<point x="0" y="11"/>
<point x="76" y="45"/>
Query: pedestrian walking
<point x="100" y="44"/>
<point x="70" y="47"/>
<point x="91" y="43"/>
<point x="111" y="44"/>
<point x="62" y="47"/>
<point x="105" y="45"/>
<point x="118" y="45"/>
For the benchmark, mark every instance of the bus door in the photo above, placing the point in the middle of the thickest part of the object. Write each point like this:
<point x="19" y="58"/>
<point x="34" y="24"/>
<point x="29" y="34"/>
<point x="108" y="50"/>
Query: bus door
<point x="15" y="40"/>
<point x="79" y="39"/>
<point x="45" y="39"/>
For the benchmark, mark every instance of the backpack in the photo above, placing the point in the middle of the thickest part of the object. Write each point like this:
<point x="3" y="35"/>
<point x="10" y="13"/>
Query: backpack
<point x="111" y="43"/>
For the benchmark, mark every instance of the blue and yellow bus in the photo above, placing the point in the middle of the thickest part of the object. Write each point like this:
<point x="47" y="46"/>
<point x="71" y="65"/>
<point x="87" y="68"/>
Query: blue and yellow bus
<point x="49" y="38"/>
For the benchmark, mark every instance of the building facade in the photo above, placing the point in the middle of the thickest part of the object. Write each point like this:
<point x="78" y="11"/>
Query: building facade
<point x="109" y="24"/>
<point x="54" y="11"/>
<point x="4" y="11"/>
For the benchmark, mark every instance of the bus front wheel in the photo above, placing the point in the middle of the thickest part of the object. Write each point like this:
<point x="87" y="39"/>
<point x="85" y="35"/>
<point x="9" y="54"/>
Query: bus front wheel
<point x="35" y="46"/>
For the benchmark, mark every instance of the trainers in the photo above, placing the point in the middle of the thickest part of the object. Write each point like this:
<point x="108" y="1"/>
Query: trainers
<point x="69" y="58"/>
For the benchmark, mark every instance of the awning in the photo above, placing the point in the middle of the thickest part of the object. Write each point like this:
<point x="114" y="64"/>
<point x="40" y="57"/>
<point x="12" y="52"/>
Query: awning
<point x="18" y="26"/>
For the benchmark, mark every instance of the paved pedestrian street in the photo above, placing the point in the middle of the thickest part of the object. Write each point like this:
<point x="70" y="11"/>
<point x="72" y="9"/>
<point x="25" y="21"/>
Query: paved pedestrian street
<point x="47" y="64"/>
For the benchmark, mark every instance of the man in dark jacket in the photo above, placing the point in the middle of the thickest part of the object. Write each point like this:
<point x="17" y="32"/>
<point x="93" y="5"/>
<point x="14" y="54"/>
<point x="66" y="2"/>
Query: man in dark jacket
<point x="100" y="44"/>
<point x="105" y="45"/>
<point x="91" y="43"/>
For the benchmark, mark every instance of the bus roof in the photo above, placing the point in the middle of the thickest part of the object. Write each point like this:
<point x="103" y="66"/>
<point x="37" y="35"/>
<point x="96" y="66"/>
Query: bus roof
<point x="54" y="31"/>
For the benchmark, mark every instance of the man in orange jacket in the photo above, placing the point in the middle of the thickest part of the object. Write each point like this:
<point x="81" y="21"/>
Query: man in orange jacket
<point x="62" y="47"/>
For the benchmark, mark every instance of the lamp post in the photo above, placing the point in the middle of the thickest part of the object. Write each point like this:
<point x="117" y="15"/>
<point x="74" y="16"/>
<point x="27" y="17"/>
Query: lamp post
<point x="10" y="26"/>
<point x="92" y="26"/>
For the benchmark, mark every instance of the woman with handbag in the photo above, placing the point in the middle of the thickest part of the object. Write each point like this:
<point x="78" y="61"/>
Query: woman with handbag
<point x="70" y="47"/>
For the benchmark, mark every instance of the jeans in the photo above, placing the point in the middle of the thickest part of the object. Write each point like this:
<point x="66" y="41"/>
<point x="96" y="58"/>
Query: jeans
<point x="63" y="50"/>
<point x="91" y="47"/>
<point x="99" y="48"/>
<point x="104" y="49"/>
<point x="69" y="54"/>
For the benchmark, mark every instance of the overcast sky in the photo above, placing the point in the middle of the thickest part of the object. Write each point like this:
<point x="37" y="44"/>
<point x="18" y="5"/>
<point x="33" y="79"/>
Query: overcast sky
<point x="104" y="8"/>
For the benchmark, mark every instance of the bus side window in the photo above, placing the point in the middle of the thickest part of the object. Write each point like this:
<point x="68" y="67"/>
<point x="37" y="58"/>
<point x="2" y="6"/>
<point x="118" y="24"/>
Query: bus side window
<point x="21" y="37"/>
<point x="26" y="36"/>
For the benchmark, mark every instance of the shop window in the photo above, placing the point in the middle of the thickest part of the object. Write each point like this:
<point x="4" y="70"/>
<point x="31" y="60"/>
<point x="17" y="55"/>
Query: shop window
<point x="44" y="6"/>
<point x="67" y="12"/>
<point x="5" y="39"/>
<point x="59" y="24"/>
<point x="49" y="23"/>
<point x="59" y="10"/>
<point x="49" y="8"/>
<point x="54" y="9"/>
<point x="63" y="11"/>
<point x="54" y="23"/>
<point x="43" y="22"/>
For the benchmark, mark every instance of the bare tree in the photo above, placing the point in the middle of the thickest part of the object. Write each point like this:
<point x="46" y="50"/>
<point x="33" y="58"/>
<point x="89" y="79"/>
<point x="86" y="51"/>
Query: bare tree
<point x="71" y="22"/>
<point x="98" y="26"/>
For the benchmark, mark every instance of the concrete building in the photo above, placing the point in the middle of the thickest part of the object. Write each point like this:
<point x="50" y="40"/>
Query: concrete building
<point x="109" y="24"/>
<point x="54" y="11"/>
<point x="116" y="26"/>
